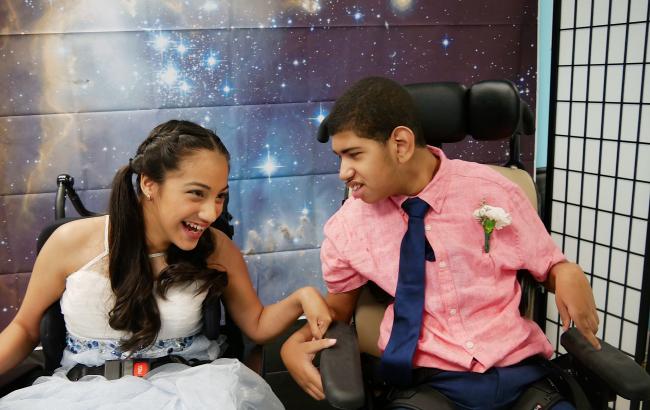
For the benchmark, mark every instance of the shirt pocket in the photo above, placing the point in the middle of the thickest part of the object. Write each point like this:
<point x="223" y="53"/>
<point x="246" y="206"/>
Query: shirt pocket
<point x="469" y="261"/>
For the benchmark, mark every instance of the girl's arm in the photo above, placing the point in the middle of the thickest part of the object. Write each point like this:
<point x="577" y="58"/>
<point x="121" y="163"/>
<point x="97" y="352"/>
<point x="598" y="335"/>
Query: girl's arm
<point x="46" y="285"/>
<point x="263" y="323"/>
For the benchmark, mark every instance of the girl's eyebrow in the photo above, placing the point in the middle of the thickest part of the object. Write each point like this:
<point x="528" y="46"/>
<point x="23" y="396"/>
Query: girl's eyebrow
<point x="199" y="184"/>
<point x="204" y="186"/>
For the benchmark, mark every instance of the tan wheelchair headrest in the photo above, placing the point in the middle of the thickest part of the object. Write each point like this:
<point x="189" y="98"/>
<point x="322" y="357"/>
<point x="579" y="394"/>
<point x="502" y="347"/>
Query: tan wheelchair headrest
<point x="521" y="178"/>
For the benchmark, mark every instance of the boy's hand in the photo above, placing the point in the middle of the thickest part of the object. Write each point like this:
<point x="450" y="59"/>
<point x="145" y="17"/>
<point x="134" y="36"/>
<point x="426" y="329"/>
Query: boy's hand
<point x="575" y="300"/>
<point x="298" y="354"/>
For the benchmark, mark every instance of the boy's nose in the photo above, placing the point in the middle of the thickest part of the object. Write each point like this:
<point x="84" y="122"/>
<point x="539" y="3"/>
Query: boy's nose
<point x="345" y="172"/>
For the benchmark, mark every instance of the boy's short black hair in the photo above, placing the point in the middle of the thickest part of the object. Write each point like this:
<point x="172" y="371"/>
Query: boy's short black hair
<point x="372" y="108"/>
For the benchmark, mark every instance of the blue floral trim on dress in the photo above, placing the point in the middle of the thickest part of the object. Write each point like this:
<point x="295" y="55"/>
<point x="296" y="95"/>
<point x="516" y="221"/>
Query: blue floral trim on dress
<point x="164" y="347"/>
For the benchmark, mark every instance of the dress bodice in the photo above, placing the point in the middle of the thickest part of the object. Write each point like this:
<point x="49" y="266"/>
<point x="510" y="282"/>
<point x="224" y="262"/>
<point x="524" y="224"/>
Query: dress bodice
<point x="88" y="299"/>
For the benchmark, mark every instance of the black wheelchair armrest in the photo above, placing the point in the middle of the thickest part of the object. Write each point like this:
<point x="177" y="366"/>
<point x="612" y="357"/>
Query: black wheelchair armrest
<point x="622" y="374"/>
<point x="340" y="368"/>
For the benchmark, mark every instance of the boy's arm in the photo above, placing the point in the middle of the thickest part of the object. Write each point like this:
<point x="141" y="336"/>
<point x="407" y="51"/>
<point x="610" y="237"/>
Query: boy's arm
<point x="299" y="350"/>
<point x="574" y="299"/>
<point x="539" y="255"/>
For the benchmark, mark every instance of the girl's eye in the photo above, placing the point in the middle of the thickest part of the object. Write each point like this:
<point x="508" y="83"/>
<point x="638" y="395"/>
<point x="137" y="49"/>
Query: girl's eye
<point x="222" y="196"/>
<point x="197" y="193"/>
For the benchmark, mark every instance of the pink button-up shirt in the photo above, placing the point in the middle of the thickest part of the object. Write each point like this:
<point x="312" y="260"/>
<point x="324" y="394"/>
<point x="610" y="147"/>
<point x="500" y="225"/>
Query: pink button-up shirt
<point x="471" y="318"/>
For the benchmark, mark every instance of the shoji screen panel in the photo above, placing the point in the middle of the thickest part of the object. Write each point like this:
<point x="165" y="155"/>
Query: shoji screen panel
<point x="599" y="158"/>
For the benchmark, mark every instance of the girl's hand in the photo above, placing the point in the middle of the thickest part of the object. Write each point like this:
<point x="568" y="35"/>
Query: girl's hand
<point x="316" y="310"/>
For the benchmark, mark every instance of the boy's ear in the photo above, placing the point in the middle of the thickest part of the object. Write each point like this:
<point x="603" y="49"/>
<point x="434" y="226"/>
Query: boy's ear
<point x="404" y="141"/>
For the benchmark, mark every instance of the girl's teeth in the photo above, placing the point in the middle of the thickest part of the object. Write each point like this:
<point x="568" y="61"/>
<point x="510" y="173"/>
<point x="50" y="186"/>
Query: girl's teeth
<point x="193" y="227"/>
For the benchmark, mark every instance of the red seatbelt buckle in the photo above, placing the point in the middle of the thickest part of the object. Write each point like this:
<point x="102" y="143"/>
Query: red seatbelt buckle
<point x="140" y="368"/>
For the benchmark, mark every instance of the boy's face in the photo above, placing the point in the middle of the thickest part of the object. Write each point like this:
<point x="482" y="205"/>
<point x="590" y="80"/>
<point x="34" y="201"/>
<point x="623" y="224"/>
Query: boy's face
<point x="367" y="166"/>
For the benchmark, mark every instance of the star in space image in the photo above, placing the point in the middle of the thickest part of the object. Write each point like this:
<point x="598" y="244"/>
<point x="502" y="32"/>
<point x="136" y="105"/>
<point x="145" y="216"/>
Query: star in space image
<point x="84" y="82"/>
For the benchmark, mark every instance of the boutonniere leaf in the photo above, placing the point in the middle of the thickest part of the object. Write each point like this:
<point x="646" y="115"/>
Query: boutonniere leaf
<point x="491" y="218"/>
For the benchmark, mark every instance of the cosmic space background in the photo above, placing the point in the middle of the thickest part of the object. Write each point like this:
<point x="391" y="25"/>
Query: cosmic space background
<point x="84" y="81"/>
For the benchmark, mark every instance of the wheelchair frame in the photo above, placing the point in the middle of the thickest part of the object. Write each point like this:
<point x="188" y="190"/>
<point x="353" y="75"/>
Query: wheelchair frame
<point x="603" y="373"/>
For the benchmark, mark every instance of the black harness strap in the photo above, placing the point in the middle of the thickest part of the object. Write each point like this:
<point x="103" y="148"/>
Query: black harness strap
<point x="542" y="395"/>
<point x="114" y="369"/>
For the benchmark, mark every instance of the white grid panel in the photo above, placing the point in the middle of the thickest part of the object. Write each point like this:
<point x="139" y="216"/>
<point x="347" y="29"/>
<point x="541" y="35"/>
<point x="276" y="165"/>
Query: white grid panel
<point x="601" y="164"/>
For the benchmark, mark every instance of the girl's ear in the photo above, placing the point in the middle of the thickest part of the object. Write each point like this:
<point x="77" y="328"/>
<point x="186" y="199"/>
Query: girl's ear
<point x="403" y="140"/>
<point x="147" y="186"/>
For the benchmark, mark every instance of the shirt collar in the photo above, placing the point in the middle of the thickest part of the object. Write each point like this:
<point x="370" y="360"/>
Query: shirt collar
<point x="435" y="192"/>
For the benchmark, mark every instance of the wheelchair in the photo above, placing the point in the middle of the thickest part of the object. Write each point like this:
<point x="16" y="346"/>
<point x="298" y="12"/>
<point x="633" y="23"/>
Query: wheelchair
<point x="489" y="110"/>
<point x="43" y="361"/>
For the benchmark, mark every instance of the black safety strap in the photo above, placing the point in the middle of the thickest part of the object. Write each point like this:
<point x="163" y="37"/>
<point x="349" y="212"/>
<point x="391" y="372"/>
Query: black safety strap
<point x="421" y="397"/>
<point x="580" y="400"/>
<point x="114" y="369"/>
<point x="541" y="395"/>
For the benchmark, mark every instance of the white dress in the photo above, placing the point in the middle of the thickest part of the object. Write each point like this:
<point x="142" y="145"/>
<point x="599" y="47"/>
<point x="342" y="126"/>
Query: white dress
<point x="85" y="303"/>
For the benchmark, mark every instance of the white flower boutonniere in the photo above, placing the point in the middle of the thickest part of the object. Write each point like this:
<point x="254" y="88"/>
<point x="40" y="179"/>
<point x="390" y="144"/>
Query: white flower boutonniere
<point x="491" y="218"/>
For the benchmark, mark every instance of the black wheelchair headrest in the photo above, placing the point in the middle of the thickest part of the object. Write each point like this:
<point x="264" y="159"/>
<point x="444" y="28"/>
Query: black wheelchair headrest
<point x="441" y="110"/>
<point x="497" y="111"/>
<point x="448" y="111"/>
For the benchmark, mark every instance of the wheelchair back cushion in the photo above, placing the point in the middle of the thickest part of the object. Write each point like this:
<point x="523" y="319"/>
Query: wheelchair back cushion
<point x="521" y="178"/>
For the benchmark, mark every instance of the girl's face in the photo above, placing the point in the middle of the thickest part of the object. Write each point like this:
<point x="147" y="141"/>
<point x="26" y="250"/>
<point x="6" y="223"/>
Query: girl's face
<point x="184" y="205"/>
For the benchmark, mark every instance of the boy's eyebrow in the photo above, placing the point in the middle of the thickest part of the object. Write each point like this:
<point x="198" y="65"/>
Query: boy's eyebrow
<point x="345" y="151"/>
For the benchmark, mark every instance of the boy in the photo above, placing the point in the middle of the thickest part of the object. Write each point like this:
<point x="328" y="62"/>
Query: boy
<point x="479" y="230"/>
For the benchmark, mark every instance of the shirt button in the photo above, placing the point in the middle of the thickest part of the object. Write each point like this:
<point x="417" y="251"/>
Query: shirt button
<point x="442" y="265"/>
<point x="469" y="345"/>
<point x="427" y="227"/>
<point x="452" y="312"/>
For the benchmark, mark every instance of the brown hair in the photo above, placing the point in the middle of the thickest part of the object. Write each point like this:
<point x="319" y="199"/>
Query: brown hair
<point x="372" y="108"/>
<point x="131" y="276"/>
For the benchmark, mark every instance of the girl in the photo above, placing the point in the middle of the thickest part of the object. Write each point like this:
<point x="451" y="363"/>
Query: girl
<point x="132" y="284"/>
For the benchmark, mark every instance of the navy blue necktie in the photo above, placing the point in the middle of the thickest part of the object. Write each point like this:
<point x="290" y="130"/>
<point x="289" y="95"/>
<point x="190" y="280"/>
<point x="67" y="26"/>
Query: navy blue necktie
<point x="397" y="360"/>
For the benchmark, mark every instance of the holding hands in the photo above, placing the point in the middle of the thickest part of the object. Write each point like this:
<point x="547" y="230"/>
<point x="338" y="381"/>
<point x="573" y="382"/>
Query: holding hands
<point x="299" y="351"/>
<point x="316" y="310"/>
<point x="298" y="354"/>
